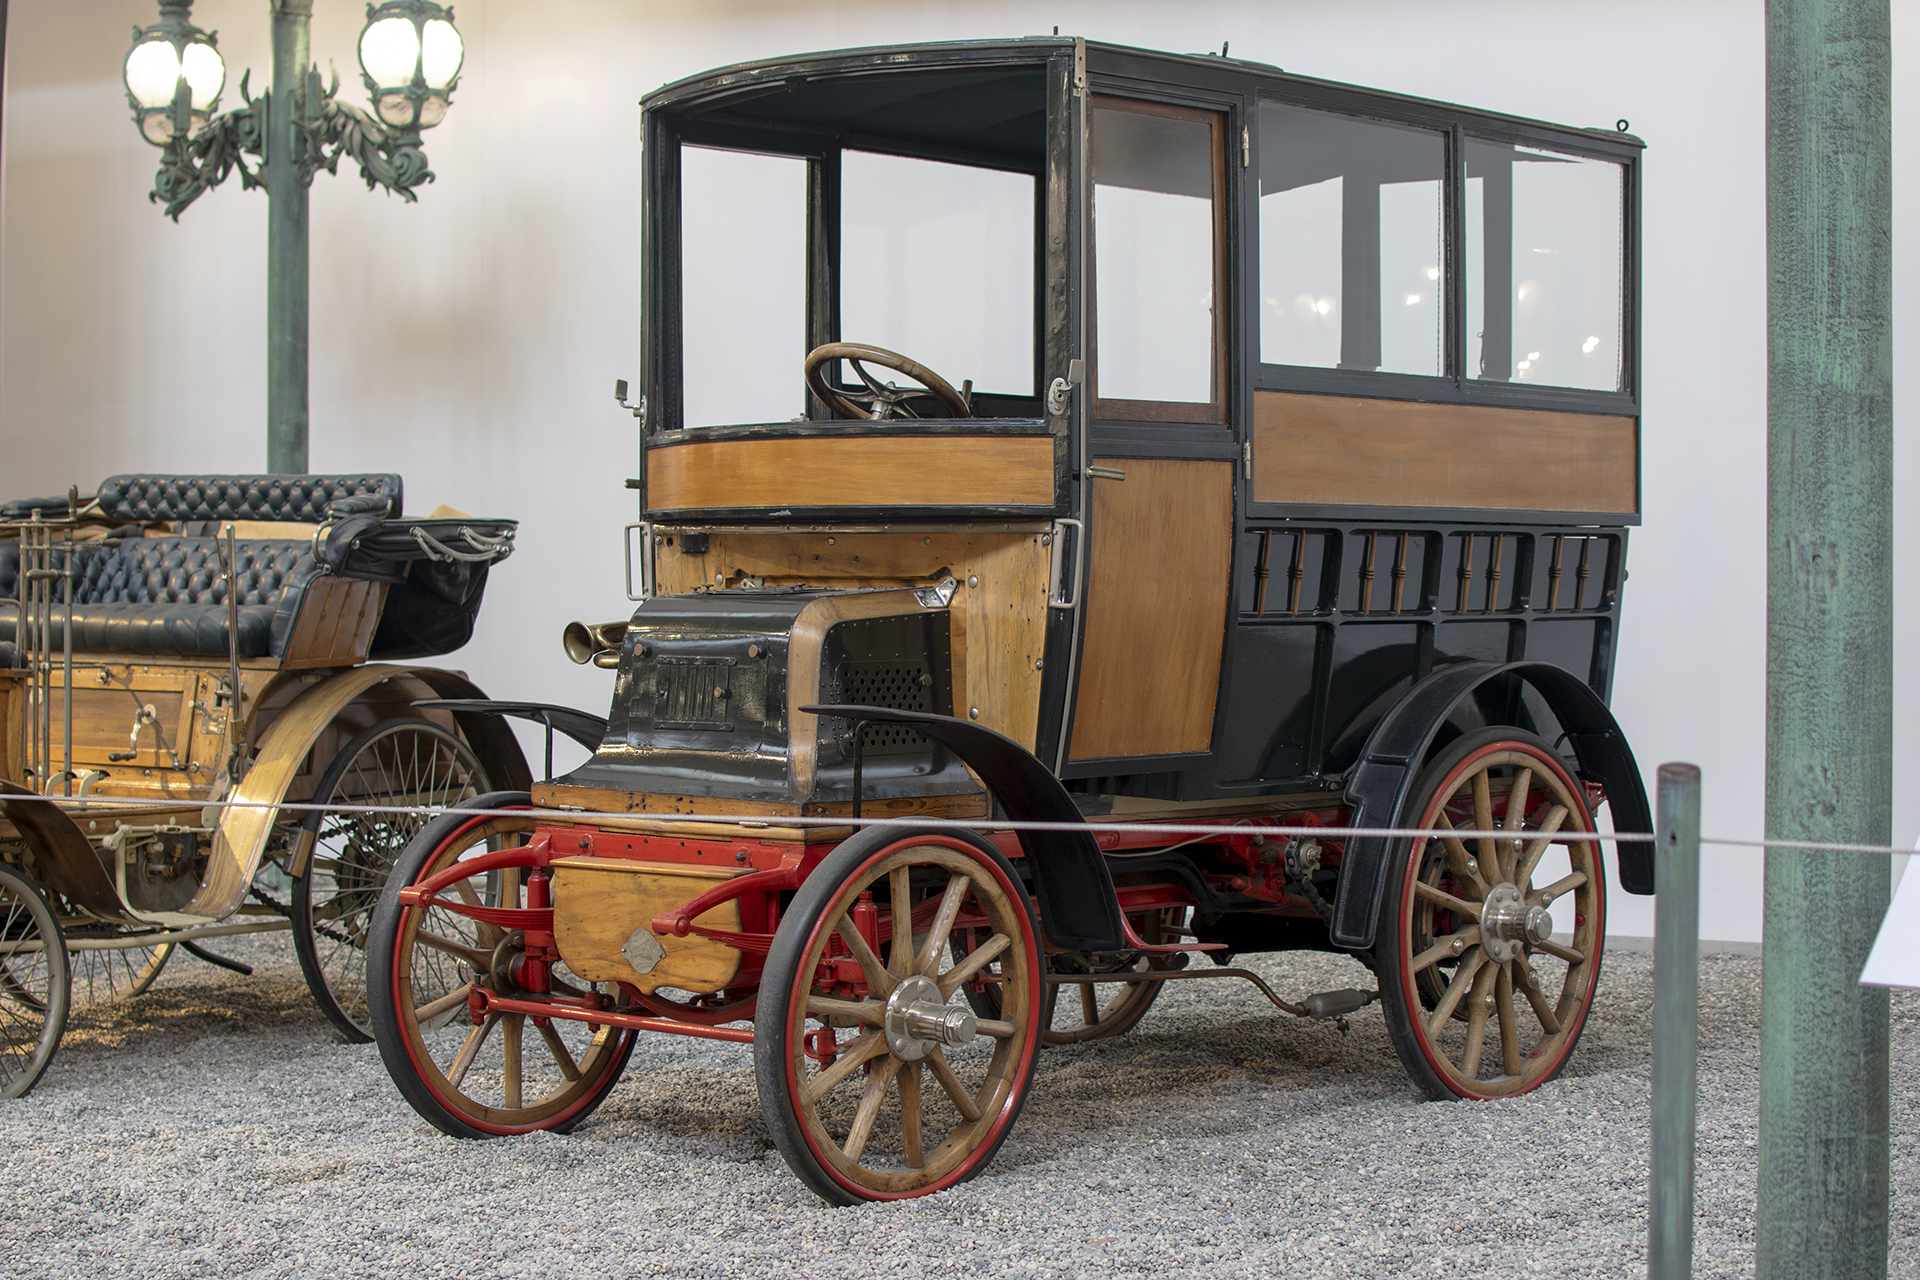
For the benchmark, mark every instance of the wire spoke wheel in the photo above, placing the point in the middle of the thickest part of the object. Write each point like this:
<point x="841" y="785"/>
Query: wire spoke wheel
<point x="1481" y="998"/>
<point x="878" y="1078"/>
<point x="106" y="975"/>
<point x="493" y="1073"/>
<point x="34" y="984"/>
<point x="403" y="762"/>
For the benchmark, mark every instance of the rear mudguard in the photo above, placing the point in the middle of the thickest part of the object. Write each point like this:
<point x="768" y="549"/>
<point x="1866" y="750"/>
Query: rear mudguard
<point x="1079" y="910"/>
<point x="64" y="860"/>
<point x="1379" y="784"/>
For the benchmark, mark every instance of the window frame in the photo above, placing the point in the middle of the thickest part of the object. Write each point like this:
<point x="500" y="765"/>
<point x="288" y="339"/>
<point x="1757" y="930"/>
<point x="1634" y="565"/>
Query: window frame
<point x="1214" y="411"/>
<point x="1453" y="385"/>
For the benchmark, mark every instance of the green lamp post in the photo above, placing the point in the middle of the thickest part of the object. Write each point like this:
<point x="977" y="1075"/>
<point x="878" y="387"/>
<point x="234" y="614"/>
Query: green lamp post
<point x="410" y="57"/>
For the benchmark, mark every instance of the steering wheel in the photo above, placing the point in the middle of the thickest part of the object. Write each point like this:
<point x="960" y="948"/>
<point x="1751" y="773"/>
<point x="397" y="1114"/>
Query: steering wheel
<point x="880" y="400"/>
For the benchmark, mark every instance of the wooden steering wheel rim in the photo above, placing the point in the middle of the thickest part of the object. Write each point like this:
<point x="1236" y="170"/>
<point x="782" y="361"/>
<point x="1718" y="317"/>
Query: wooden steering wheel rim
<point x="821" y="356"/>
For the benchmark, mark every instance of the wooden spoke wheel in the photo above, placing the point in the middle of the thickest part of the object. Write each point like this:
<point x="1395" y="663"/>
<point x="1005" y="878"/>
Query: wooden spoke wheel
<point x="1480" y="999"/>
<point x="100" y="976"/>
<point x="499" y="1073"/>
<point x="1076" y="1012"/>
<point x="34" y="984"/>
<point x="405" y="761"/>
<point x="877" y="1078"/>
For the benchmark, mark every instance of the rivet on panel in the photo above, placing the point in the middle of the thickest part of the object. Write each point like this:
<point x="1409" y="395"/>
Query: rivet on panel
<point x="973" y="713"/>
<point x="973" y="580"/>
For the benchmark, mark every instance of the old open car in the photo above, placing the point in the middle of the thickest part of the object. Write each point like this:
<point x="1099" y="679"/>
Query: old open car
<point x="1042" y="431"/>
<point x="179" y="655"/>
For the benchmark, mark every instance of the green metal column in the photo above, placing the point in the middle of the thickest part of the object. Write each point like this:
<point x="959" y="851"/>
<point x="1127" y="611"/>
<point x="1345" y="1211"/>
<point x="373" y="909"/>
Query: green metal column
<point x="1823" y="1202"/>
<point x="287" y="240"/>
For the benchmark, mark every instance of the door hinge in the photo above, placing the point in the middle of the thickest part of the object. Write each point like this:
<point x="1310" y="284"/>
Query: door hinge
<point x="1246" y="460"/>
<point x="1246" y="147"/>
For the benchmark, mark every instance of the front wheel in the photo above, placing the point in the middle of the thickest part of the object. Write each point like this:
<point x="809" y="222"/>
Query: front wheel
<point x="35" y="984"/>
<point x="405" y="762"/>
<point x="477" y="1076"/>
<point x="877" y="1078"/>
<point x="1480" y="998"/>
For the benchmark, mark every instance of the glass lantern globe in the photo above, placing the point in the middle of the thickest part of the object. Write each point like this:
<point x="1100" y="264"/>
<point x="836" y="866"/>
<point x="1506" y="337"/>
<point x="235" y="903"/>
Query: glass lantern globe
<point x="173" y="75"/>
<point x="410" y="55"/>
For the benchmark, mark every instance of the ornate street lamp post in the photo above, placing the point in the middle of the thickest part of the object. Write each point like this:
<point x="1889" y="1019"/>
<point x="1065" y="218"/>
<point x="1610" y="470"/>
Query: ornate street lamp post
<point x="410" y="55"/>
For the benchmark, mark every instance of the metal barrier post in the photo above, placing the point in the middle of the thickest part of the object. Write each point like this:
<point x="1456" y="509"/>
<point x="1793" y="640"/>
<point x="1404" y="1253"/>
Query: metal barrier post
<point x="1676" y="1022"/>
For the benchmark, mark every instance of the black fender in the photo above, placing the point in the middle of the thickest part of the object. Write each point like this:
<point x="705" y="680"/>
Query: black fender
<point x="1079" y="910"/>
<point x="64" y="860"/>
<point x="584" y="727"/>
<point x="1378" y="785"/>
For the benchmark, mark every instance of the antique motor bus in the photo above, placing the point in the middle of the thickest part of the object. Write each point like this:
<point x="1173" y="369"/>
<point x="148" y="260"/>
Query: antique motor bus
<point x="180" y="655"/>
<point x="1084" y="460"/>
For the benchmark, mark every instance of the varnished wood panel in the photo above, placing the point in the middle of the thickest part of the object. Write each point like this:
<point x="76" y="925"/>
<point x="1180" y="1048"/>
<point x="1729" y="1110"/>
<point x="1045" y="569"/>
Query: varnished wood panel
<point x="1161" y="546"/>
<point x="1345" y="451"/>
<point x="599" y="902"/>
<point x="336" y="622"/>
<point x="852" y="471"/>
<point x="999" y="623"/>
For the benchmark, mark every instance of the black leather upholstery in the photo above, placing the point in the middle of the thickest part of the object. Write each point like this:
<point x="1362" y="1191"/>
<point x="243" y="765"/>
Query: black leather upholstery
<point x="23" y="508"/>
<point x="300" y="499"/>
<point x="165" y="596"/>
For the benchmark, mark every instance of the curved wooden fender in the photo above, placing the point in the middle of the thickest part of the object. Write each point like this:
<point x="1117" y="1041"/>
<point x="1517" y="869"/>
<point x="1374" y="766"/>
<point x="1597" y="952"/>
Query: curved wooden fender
<point x="242" y="835"/>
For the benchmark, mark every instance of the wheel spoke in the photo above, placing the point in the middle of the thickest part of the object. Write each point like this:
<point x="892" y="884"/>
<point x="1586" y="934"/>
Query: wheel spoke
<point x="1523" y="874"/>
<point x="913" y="1154"/>
<point x="977" y="959"/>
<point x="480" y="960"/>
<point x="901" y="955"/>
<point x="943" y="1072"/>
<point x="871" y="1097"/>
<point x="1483" y="819"/>
<point x="1457" y="856"/>
<point x="1565" y="953"/>
<point x="1444" y="948"/>
<point x="454" y="999"/>
<point x="1089" y="1005"/>
<point x="928" y="961"/>
<point x="1463" y="980"/>
<point x="1441" y="898"/>
<point x="1530" y="984"/>
<point x="1476" y="1023"/>
<point x="994" y="1027"/>
<point x="878" y="978"/>
<point x="510" y="1030"/>
<point x="870" y="1045"/>
<point x="558" y="1048"/>
<point x="1509" y="1024"/>
<point x="470" y="1050"/>
<point x="871" y="1013"/>
<point x="1541" y="897"/>
<point x="1517" y="797"/>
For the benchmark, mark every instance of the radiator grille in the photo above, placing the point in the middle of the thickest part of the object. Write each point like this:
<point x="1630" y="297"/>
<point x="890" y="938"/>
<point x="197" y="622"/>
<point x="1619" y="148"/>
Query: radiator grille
<point x="901" y="686"/>
<point x="694" y="695"/>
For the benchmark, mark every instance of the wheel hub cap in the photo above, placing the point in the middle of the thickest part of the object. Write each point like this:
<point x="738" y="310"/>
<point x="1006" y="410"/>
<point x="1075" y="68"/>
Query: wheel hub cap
<point x="1507" y="923"/>
<point x="917" y="1019"/>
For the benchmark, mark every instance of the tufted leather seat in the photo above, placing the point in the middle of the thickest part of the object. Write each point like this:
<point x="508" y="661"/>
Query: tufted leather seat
<point x="293" y="498"/>
<point x="165" y="596"/>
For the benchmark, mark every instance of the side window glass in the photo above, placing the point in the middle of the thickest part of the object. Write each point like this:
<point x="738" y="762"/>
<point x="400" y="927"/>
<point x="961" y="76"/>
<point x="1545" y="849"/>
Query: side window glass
<point x="1156" y="202"/>
<point x="1351" y="227"/>
<point x="743" y="286"/>
<point x="906" y="224"/>
<point x="1544" y="267"/>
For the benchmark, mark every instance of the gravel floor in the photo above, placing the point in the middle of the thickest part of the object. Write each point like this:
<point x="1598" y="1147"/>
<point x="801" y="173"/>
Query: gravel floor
<point x="213" y="1127"/>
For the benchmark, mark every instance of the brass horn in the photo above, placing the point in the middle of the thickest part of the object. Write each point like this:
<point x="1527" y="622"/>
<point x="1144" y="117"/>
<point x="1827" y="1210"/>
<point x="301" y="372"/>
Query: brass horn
<point x="586" y="644"/>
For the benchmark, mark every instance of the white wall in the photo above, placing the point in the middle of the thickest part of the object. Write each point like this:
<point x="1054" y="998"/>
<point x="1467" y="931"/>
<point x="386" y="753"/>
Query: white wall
<point x="470" y="341"/>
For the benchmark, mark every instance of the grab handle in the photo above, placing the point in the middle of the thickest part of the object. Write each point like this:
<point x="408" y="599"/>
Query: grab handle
<point x="646" y="559"/>
<point x="1058" y="570"/>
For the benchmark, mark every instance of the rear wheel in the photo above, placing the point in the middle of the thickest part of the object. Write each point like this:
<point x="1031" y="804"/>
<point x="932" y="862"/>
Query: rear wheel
<point x="34" y="984"/>
<point x="1481" y="999"/>
<point x="407" y="762"/>
<point x="499" y="1073"/>
<point x="877" y="1079"/>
